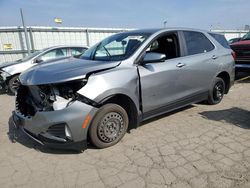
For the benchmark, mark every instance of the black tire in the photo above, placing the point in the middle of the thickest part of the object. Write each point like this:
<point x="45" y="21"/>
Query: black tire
<point x="108" y="126"/>
<point x="216" y="92"/>
<point x="13" y="84"/>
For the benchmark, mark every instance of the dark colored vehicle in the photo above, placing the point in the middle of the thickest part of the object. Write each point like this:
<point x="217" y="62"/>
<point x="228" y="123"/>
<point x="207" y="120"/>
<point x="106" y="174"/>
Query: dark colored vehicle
<point x="121" y="81"/>
<point x="233" y="40"/>
<point x="242" y="53"/>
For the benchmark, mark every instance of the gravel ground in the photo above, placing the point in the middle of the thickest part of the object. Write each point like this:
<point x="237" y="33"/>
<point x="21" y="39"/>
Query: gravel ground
<point x="198" y="146"/>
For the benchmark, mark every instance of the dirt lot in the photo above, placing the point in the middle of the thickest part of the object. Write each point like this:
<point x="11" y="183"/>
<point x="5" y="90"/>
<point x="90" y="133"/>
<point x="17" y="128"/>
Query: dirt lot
<point x="199" y="146"/>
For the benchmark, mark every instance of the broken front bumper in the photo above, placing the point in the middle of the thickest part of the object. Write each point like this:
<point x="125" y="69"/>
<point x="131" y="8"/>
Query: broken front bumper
<point x="3" y="77"/>
<point x="64" y="129"/>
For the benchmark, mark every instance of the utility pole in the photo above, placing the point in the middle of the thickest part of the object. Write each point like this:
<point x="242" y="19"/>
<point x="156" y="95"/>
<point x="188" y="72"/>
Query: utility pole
<point x="25" y="32"/>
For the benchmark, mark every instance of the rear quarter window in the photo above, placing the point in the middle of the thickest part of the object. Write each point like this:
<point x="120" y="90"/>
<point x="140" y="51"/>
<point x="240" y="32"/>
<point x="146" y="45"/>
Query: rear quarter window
<point x="220" y="39"/>
<point x="197" y="43"/>
<point x="77" y="51"/>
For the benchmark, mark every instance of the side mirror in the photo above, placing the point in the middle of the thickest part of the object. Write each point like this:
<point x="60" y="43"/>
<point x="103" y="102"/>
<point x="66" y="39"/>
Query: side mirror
<point x="38" y="60"/>
<point x="153" y="57"/>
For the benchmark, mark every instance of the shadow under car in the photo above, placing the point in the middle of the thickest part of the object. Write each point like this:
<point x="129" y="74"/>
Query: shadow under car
<point x="236" y="116"/>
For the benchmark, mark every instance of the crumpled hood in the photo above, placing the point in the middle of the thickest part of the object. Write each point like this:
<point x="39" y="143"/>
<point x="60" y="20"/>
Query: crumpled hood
<point x="6" y="64"/>
<point x="62" y="71"/>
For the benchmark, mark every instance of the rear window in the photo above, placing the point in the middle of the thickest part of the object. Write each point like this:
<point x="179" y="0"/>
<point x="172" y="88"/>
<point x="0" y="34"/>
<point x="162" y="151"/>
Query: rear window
<point x="220" y="39"/>
<point x="197" y="43"/>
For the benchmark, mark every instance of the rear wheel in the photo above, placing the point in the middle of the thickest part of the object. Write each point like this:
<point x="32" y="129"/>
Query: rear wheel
<point x="13" y="84"/>
<point x="217" y="91"/>
<point x="109" y="126"/>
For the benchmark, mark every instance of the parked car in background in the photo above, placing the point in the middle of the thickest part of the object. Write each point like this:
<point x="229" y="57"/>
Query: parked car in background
<point x="125" y="79"/>
<point x="10" y="71"/>
<point x="234" y="40"/>
<point x="242" y="52"/>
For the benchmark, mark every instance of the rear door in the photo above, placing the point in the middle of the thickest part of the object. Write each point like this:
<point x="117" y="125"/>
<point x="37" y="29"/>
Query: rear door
<point x="199" y="64"/>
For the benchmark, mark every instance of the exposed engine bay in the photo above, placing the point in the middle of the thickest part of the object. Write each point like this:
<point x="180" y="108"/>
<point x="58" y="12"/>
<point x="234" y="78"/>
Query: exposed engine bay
<point x="31" y="99"/>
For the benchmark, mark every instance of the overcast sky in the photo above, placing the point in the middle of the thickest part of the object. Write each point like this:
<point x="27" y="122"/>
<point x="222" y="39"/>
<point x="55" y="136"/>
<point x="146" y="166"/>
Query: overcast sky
<point x="223" y="14"/>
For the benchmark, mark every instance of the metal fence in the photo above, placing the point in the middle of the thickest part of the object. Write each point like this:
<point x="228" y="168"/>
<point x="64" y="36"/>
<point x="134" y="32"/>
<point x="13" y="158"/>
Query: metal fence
<point x="13" y="45"/>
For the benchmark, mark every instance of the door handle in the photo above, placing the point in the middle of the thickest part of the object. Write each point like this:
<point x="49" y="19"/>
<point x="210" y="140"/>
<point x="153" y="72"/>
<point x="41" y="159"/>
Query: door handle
<point x="180" y="65"/>
<point x="214" y="57"/>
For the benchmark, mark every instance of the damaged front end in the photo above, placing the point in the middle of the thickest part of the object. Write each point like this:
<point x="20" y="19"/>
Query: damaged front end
<point x="32" y="99"/>
<point x="54" y="114"/>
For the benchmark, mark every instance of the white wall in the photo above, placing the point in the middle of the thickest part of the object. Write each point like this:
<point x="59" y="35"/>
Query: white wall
<point x="229" y="34"/>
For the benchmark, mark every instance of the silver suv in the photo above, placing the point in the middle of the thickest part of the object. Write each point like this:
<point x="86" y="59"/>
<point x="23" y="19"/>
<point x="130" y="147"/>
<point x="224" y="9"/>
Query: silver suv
<point x="118" y="83"/>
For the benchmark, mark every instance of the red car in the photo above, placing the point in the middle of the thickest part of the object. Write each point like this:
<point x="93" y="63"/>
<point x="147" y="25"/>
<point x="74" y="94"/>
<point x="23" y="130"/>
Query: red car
<point x="242" y="53"/>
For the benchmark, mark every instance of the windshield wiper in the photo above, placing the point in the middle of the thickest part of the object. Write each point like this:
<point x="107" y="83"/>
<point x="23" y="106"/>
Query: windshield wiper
<point x="106" y="51"/>
<point x="97" y="48"/>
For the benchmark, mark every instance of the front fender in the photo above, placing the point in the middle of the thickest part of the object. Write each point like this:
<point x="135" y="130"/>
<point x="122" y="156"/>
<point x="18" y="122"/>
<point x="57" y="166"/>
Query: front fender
<point x="18" y="68"/>
<point x="112" y="82"/>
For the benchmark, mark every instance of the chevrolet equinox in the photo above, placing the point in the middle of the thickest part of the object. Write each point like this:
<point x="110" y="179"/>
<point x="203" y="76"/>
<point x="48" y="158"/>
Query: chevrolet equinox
<point x="121" y="81"/>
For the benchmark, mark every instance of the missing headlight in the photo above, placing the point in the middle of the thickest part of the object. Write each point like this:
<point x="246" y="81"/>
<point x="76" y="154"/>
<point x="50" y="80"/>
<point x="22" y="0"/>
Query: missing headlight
<point x="60" y="103"/>
<point x="31" y="99"/>
<point x="65" y="93"/>
<point x="68" y="90"/>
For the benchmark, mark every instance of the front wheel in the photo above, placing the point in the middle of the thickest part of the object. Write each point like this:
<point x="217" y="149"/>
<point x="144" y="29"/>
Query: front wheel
<point x="13" y="84"/>
<point x="216" y="92"/>
<point x="109" y="126"/>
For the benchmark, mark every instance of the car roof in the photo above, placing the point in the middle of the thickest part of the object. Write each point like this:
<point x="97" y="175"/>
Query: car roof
<point x="64" y="46"/>
<point x="155" y="30"/>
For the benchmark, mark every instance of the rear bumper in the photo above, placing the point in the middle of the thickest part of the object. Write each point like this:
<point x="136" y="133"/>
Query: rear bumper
<point x="72" y="117"/>
<point x="242" y="67"/>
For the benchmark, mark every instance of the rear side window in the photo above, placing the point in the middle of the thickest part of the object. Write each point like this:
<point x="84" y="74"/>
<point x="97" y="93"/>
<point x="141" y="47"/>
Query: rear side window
<point x="220" y="39"/>
<point x="77" y="51"/>
<point x="55" y="53"/>
<point x="197" y="43"/>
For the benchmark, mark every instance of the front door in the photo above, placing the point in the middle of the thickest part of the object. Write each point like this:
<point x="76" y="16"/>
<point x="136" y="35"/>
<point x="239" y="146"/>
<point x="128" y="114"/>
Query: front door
<point x="160" y="80"/>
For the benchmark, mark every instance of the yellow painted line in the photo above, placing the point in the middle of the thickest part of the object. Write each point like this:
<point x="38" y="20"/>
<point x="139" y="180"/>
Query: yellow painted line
<point x="242" y="79"/>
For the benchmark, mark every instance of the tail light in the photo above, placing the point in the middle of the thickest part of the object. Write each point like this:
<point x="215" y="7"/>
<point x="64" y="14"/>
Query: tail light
<point x="234" y="55"/>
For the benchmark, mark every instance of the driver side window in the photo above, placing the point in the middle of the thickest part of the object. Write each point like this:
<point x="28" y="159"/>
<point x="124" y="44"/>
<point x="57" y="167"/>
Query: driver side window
<point x="167" y="44"/>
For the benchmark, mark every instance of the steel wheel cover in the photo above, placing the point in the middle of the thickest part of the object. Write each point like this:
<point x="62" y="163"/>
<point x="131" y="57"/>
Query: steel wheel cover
<point x="111" y="127"/>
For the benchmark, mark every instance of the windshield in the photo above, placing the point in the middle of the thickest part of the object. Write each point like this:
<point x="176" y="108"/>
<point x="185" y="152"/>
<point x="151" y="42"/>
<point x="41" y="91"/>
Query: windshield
<point x="246" y="36"/>
<point x="31" y="56"/>
<point x="116" y="47"/>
